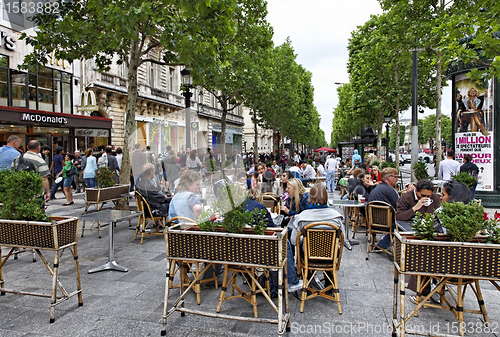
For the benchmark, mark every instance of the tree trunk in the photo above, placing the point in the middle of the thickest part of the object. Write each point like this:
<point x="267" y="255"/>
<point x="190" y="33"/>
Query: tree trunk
<point x="223" y="137"/>
<point x="132" y="63"/>
<point x="379" y="134"/>
<point x="439" y="70"/>
<point x="398" y="131"/>
<point x="256" y="139"/>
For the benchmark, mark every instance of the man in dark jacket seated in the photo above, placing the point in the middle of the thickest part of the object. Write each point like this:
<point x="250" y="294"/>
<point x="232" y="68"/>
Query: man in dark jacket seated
<point x="151" y="191"/>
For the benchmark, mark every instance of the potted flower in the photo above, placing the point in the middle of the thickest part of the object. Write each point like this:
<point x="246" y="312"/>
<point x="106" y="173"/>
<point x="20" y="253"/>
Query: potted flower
<point x="228" y="222"/>
<point x="461" y="255"/>
<point x="105" y="191"/>
<point x="206" y="243"/>
<point x="234" y="220"/>
<point x="25" y="225"/>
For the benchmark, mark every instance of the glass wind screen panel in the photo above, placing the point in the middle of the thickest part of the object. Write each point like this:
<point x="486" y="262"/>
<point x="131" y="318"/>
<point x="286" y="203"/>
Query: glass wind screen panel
<point x="45" y="94"/>
<point x="18" y="84"/>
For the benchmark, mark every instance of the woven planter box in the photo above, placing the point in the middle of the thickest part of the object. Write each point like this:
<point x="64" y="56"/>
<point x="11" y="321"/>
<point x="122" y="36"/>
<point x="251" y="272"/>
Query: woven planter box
<point x="53" y="235"/>
<point x="107" y="193"/>
<point x="248" y="249"/>
<point x="455" y="259"/>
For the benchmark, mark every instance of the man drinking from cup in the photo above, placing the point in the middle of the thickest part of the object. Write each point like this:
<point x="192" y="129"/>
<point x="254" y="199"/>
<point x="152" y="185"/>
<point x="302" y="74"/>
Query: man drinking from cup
<point x="421" y="199"/>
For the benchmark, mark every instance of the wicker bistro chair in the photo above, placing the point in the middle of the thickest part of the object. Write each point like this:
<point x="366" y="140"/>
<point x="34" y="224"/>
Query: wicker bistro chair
<point x="147" y="224"/>
<point x="380" y="216"/>
<point x="323" y="243"/>
<point x="356" y="218"/>
<point x="185" y="267"/>
<point x="272" y="201"/>
<point x="249" y="275"/>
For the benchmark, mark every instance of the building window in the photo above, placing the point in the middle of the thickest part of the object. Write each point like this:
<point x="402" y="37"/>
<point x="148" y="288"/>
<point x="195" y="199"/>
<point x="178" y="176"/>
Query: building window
<point x="171" y="80"/>
<point x="47" y="90"/>
<point x="123" y="70"/>
<point x="18" y="88"/>
<point x="152" y="76"/>
<point x="4" y="80"/>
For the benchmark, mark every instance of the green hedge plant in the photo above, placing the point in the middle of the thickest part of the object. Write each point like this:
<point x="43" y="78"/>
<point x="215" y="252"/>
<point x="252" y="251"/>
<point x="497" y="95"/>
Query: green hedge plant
<point x="465" y="178"/>
<point x="21" y="194"/>
<point x="420" y="171"/>
<point x="462" y="221"/>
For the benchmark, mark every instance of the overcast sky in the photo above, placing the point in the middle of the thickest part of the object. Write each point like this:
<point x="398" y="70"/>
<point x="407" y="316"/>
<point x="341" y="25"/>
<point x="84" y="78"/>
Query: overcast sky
<point x="319" y="31"/>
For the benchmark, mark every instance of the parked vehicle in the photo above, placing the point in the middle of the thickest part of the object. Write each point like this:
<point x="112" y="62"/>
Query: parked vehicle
<point x="393" y="159"/>
<point x="422" y="156"/>
<point x="406" y="158"/>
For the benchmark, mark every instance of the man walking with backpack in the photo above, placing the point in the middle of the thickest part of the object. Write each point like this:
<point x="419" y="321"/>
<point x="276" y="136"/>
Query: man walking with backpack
<point x="31" y="160"/>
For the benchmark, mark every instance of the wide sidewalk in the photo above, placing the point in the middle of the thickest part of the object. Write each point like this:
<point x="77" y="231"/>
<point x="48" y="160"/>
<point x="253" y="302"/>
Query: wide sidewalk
<point x="131" y="304"/>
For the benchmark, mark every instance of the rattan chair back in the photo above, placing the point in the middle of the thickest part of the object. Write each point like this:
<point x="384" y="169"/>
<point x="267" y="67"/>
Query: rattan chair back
<point x="323" y="243"/>
<point x="147" y="218"/>
<point x="272" y="201"/>
<point x="176" y="219"/>
<point x="380" y="217"/>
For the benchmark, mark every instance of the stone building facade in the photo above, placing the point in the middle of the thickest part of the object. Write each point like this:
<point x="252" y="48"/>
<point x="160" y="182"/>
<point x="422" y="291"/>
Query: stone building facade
<point x="160" y="110"/>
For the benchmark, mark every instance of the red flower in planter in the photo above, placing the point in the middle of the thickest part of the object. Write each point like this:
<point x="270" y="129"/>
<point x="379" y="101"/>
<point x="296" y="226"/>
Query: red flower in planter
<point x="486" y="216"/>
<point x="497" y="215"/>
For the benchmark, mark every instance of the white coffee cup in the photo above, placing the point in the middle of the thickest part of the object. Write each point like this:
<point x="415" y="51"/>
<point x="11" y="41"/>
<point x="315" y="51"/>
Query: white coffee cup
<point x="203" y="192"/>
<point x="428" y="202"/>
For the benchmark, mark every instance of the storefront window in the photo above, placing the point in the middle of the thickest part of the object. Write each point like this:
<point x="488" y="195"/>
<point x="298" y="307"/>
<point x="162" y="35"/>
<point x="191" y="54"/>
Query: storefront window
<point x="57" y="96"/>
<point x="4" y="89"/>
<point x="142" y="134"/>
<point x="45" y="72"/>
<point x="45" y="94"/>
<point x="18" y="87"/>
<point x="32" y="91"/>
<point x="66" y="97"/>
<point x="4" y="82"/>
<point x="4" y="61"/>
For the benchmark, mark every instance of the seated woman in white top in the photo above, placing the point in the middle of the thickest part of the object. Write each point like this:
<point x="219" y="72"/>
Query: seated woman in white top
<point x="185" y="202"/>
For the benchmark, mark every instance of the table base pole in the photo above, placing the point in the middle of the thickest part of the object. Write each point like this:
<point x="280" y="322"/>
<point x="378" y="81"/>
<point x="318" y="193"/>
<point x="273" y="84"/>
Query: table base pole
<point x="111" y="265"/>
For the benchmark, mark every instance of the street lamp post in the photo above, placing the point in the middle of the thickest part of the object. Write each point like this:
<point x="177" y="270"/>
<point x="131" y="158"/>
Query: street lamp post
<point x="387" y="121"/>
<point x="187" y="82"/>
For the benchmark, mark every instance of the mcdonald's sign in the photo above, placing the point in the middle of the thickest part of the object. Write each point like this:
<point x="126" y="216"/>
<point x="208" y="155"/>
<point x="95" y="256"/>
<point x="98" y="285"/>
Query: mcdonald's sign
<point x="58" y="62"/>
<point x="88" y="102"/>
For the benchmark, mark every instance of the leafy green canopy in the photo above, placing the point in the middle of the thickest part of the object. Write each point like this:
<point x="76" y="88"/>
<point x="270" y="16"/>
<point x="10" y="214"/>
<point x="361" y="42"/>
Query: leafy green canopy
<point x="472" y="35"/>
<point x="101" y="29"/>
<point x="132" y="31"/>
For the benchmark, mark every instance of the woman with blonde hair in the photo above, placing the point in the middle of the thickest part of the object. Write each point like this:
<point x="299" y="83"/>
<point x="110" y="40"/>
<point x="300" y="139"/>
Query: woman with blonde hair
<point x="185" y="202"/>
<point x="298" y="197"/>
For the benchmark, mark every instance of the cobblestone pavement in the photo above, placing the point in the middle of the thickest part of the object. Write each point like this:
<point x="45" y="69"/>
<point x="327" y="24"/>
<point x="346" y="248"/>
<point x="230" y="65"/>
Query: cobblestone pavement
<point x="131" y="303"/>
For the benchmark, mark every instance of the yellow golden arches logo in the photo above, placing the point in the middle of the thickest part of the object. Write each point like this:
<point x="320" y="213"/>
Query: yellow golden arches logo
<point x="88" y="101"/>
<point x="58" y="62"/>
